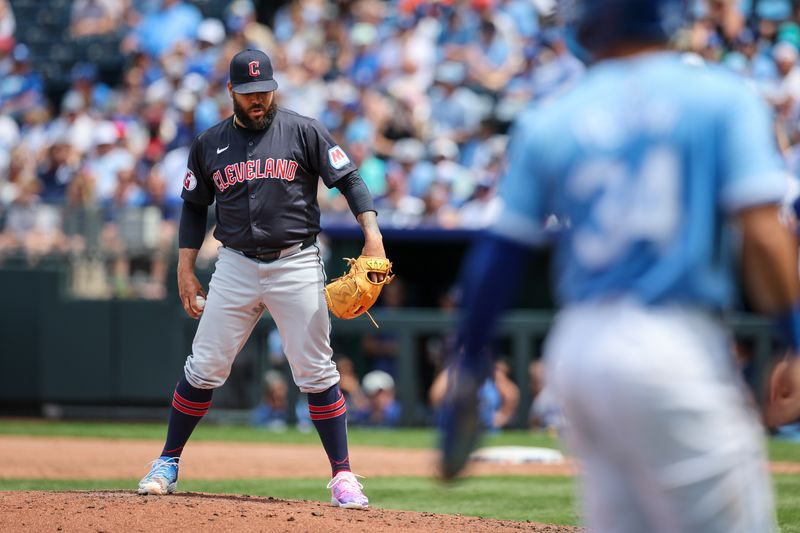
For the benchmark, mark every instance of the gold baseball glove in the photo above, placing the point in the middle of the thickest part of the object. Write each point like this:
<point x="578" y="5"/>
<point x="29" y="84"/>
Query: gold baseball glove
<point x="354" y="293"/>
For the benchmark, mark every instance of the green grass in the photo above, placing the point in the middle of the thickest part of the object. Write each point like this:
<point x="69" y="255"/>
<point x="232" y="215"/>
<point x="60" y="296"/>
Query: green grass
<point x="548" y="499"/>
<point x="394" y="438"/>
<point x="787" y="488"/>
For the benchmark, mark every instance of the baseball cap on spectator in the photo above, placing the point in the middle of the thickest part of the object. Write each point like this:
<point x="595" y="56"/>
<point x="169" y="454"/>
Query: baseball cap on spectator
<point x="105" y="133"/>
<point x="444" y="147"/>
<point x="242" y="8"/>
<point x="237" y="15"/>
<point x="9" y="132"/>
<point x="773" y="9"/>
<point x="408" y="150"/>
<point x="184" y="100"/>
<point x="451" y="73"/>
<point x="363" y="34"/>
<point x="194" y="83"/>
<point x="73" y="102"/>
<point x="251" y="72"/>
<point x="376" y="380"/>
<point x="127" y="163"/>
<point x="21" y="53"/>
<point x="446" y="172"/>
<point x="211" y="31"/>
<point x="358" y="131"/>
<point x="551" y="36"/>
<point x="157" y="91"/>
<point x="735" y="61"/>
<point x="784" y="52"/>
<point x="62" y="139"/>
<point x="83" y="72"/>
<point x="485" y="181"/>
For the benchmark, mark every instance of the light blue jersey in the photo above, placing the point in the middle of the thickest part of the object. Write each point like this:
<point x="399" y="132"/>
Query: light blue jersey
<point x="641" y="163"/>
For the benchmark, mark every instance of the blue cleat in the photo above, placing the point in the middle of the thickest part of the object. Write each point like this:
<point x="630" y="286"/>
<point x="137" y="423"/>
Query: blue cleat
<point x="460" y="424"/>
<point x="162" y="478"/>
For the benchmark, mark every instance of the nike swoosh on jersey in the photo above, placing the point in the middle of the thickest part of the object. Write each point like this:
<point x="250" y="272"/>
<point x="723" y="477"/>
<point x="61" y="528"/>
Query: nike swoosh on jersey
<point x="220" y="150"/>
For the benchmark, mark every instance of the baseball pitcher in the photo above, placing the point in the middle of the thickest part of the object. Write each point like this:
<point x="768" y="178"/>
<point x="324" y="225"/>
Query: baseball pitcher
<point x="261" y="168"/>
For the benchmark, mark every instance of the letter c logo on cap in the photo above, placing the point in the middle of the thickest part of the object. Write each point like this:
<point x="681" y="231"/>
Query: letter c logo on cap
<point x="254" y="70"/>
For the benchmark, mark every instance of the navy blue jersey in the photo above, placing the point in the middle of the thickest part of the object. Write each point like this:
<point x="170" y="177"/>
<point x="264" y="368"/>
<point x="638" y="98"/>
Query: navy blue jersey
<point x="264" y="181"/>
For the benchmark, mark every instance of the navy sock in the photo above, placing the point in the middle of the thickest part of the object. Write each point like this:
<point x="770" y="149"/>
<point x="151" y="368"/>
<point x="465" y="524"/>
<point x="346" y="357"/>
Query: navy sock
<point x="189" y="404"/>
<point x="328" y="412"/>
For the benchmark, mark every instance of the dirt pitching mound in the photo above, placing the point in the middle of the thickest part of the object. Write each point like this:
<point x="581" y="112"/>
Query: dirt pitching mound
<point x="110" y="511"/>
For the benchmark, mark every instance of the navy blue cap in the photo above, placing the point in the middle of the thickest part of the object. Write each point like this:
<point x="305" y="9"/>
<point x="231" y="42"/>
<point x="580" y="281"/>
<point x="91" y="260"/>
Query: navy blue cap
<point x="251" y="72"/>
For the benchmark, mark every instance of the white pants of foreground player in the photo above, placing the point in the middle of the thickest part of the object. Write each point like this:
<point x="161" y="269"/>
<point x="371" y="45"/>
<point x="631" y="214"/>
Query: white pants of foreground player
<point x="291" y="288"/>
<point x="660" y="421"/>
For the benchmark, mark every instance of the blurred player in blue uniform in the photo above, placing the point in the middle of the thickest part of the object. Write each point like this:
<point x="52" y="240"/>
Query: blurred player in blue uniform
<point x="655" y="170"/>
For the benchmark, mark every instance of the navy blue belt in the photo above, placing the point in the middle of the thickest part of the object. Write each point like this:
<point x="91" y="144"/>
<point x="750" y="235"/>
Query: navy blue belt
<point x="269" y="257"/>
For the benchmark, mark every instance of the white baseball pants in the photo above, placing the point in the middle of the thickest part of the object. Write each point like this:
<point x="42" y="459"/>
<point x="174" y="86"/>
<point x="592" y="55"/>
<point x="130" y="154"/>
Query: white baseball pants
<point x="291" y="289"/>
<point x="659" y="419"/>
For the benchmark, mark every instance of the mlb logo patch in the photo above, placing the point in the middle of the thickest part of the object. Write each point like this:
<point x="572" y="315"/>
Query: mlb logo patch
<point x="337" y="157"/>
<point x="189" y="181"/>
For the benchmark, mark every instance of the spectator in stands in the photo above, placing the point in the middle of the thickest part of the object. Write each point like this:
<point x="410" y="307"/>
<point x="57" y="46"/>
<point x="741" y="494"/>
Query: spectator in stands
<point x="498" y="396"/>
<point x="56" y="172"/>
<point x="397" y="206"/>
<point x="84" y="83"/>
<point x="210" y="36"/>
<point x="245" y="31"/>
<point x="32" y="229"/>
<point x="444" y="156"/>
<point x="96" y="17"/>
<point x="74" y="123"/>
<point x="272" y="411"/>
<point x="172" y="23"/>
<point x="381" y="408"/>
<point x="35" y="134"/>
<point x="8" y="23"/>
<point x="381" y="347"/>
<point x="349" y="384"/>
<point x="493" y="58"/>
<point x="438" y="212"/>
<point x="456" y="111"/>
<point x="106" y="162"/>
<point x="557" y="68"/>
<point x="544" y="412"/>
<point x="786" y="92"/>
<point x="127" y="190"/>
<point x="483" y="208"/>
<point x="6" y="55"/>
<point x="22" y="88"/>
<point x="410" y="162"/>
<point x="9" y="138"/>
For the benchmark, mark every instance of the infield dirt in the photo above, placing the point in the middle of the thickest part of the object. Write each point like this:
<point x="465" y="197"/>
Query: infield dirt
<point x="112" y="511"/>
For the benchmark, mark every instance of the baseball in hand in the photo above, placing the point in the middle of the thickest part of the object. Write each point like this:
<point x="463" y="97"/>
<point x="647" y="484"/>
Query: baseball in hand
<point x="199" y="302"/>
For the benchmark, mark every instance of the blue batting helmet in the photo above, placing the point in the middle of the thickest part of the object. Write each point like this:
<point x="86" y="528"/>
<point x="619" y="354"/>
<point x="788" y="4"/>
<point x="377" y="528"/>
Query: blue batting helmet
<point x="598" y="24"/>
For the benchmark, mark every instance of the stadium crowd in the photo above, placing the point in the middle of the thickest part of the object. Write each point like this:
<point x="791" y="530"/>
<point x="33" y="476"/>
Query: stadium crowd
<point x="419" y="92"/>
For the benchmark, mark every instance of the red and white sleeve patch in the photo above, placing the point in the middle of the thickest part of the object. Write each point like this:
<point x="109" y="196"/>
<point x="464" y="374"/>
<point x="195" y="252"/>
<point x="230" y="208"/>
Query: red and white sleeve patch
<point x="337" y="157"/>
<point x="189" y="181"/>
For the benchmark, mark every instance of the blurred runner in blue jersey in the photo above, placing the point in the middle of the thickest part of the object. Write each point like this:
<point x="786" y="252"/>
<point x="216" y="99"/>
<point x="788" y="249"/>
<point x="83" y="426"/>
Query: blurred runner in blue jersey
<point x="658" y="173"/>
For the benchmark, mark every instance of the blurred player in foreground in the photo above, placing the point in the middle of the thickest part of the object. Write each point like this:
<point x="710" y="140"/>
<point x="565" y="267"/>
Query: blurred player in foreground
<point x="649" y="164"/>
